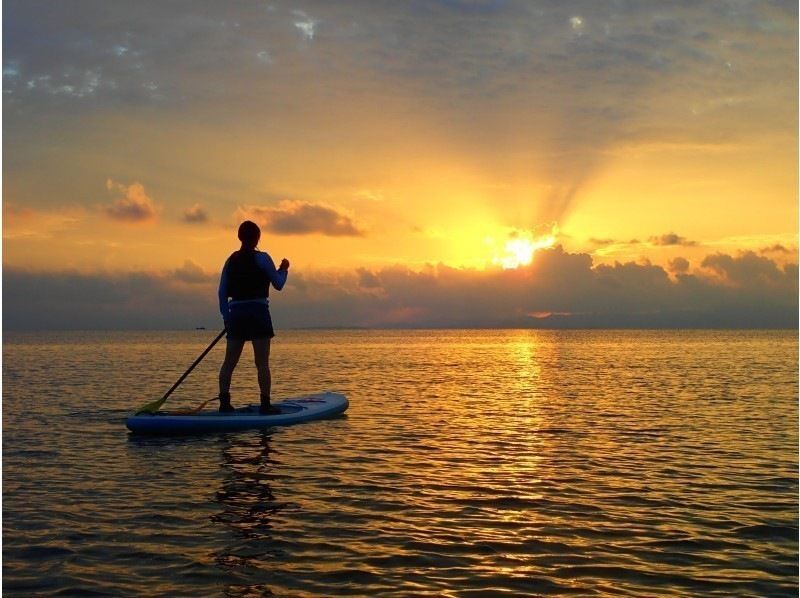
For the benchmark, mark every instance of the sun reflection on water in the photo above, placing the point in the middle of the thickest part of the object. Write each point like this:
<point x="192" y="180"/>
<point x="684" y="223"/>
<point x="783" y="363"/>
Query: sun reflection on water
<point x="517" y="462"/>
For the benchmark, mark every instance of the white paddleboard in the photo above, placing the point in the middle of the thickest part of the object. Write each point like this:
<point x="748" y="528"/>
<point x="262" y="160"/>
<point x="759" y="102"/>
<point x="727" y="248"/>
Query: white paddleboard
<point x="290" y="411"/>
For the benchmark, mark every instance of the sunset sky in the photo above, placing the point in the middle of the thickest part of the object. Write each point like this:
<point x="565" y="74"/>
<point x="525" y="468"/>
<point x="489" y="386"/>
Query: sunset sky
<point x="392" y="150"/>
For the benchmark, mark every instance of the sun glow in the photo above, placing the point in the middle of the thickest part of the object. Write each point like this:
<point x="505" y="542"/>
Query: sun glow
<point x="519" y="250"/>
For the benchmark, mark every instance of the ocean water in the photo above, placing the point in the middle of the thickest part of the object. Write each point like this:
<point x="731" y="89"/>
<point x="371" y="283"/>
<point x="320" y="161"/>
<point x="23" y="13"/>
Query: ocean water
<point x="470" y="463"/>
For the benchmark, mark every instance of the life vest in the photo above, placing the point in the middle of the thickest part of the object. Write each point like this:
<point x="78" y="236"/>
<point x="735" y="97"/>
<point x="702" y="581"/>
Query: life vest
<point x="245" y="279"/>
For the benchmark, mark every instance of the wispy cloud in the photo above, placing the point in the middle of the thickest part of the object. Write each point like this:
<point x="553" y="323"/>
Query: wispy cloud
<point x="778" y="248"/>
<point x="22" y="222"/>
<point x="305" y="24"/>
<point x="370" y="195"/>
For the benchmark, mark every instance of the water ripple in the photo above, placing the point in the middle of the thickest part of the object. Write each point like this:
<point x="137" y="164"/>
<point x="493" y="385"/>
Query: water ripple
<point x="471" y="463"/>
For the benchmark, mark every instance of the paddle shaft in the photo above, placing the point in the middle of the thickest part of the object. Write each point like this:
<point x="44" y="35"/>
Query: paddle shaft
<point x="194" y="365"/>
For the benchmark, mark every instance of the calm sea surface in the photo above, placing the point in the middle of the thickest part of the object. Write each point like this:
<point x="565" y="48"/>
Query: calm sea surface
<point x="470" y="463"/>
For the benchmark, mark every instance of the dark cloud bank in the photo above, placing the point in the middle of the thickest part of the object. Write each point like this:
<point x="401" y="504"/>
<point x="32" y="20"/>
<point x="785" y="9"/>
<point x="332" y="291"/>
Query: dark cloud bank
<point x="559" y="290"/>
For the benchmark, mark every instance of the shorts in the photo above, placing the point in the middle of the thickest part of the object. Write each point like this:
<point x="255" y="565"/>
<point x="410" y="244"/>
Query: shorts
<point x="248" y="321"/>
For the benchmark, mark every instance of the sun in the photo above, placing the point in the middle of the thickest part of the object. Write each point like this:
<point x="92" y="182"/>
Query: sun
<point x="519" y="250"/>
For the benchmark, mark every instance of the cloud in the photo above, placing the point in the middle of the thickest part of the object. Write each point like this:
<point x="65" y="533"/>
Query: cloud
<point x="777" y="248"/>
<point x="302" y="218"/>
<point x="77" y="301"/>
<point x="134" y="206"/>
<point x="672" y="239"/>
<point x="484" y="95"/>
<point x="500" y="86"/>
<point x="367" y="279"/>
<point x="607" y="246"/>
<point x="72" y="83"/>
<point x="679" y="265"/>
<point x="370" y="195"/>
<point x="306" y="25"/>
<point x="568" y="286"/>
<point x="21" y="222"/>
<point x="192" y="273"/>
<point x="195" y="215"/>
<point x="743" y="291"/>
<point x="746" y="269"/>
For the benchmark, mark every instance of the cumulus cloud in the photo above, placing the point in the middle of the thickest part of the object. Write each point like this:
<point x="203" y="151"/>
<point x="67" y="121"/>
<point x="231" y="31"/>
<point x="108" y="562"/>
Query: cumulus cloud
<point x="302" y="218"/>
<point x="134" y="205"/>
<point x="679" y="265"/>
<point x="559" y="289"/>
<point x="192" y="273"/>
<point x="746" y="269"/>
<point x="567" y="286"/>
<point x="672" y="239"/>
<point x="195" y="215"/>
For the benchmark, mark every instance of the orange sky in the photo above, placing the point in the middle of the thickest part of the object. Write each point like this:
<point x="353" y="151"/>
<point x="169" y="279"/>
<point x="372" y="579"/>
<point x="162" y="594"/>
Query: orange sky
<point x="388" y="134"/>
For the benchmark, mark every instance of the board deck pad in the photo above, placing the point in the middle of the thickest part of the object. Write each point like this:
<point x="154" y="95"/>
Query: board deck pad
<point x="307" y="407"/>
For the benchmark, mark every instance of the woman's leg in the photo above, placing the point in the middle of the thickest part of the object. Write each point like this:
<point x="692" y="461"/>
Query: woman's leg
<point x="233" y="351"/>
<point x="261" y="353"/>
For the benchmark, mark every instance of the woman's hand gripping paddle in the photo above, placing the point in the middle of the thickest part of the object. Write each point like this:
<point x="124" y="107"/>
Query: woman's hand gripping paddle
<point x="154" y="406"/>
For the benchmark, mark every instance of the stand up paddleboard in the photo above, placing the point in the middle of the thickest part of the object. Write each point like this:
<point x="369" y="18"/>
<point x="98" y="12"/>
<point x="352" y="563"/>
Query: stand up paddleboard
<point x="291" y="411"/>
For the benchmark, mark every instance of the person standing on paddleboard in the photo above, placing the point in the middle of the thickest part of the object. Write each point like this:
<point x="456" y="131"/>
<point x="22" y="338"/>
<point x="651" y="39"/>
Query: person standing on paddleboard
<point x="244" y="304"/>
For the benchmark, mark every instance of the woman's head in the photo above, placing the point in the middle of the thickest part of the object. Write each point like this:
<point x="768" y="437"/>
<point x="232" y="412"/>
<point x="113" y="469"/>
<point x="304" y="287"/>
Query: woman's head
<point x="249" y="234"/>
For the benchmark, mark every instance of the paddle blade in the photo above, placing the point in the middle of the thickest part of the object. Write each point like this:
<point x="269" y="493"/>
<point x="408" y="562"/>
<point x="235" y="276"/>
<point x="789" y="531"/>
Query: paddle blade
<point x="151" y="407"/>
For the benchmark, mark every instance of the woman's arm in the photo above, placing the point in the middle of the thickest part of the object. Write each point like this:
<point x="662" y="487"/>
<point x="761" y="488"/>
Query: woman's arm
<point x="222" y="292"/>
<point x="277" y="276"/>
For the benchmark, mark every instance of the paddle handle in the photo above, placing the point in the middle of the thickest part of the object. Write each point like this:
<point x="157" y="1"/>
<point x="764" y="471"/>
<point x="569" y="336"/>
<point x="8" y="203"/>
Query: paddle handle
<point x="194" y="365"/>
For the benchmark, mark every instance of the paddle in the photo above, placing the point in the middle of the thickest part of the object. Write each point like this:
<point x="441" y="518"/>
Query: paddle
<point x="154" y="406"/>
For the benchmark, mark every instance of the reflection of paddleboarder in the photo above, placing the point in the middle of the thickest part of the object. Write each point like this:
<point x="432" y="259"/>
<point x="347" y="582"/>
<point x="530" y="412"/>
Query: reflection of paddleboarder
<point x="245" y="280"/>
<point x="246" y="498"/>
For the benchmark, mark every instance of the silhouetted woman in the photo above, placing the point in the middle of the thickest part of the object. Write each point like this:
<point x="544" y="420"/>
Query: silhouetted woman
<point x="244" y="304"/>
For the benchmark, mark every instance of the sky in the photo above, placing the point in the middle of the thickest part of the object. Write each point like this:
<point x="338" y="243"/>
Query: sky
<point x="421" y="163"/>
